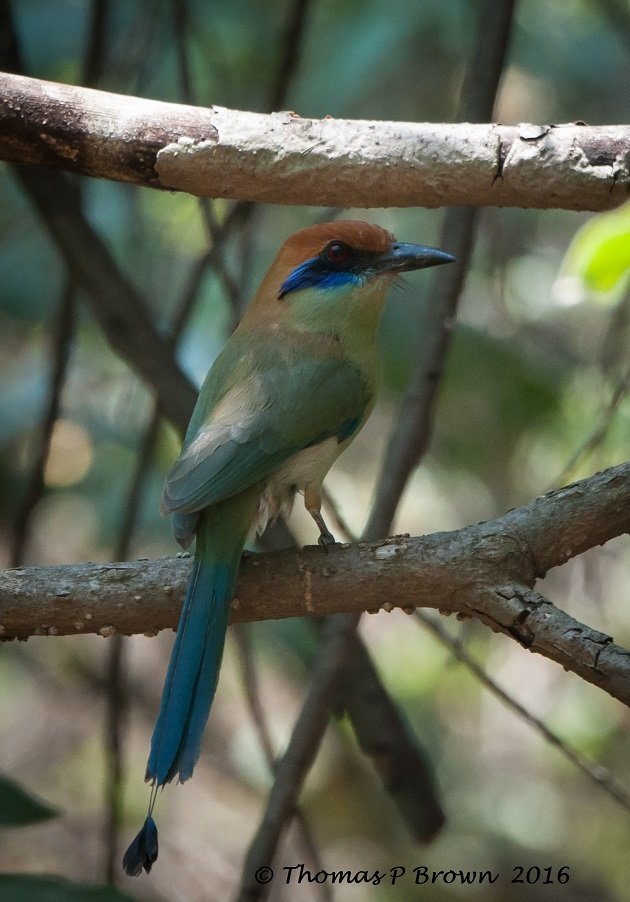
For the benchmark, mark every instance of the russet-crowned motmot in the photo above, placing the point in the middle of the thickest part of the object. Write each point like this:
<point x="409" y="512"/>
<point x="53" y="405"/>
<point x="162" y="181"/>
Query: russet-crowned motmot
<point x="288" y="393"/>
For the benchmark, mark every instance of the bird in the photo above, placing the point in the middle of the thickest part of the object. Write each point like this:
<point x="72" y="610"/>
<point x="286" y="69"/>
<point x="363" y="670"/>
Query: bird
<point x="290" y="390"/>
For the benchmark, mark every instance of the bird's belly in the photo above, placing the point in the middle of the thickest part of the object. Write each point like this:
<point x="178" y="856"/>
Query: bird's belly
<point x="306" y="468"/>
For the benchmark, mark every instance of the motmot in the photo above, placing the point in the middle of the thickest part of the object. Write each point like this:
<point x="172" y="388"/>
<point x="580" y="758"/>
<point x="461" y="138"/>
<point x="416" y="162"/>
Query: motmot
<point x="290" y="390"/>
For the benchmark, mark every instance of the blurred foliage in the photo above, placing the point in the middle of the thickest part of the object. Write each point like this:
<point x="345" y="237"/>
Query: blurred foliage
<point x="21" y="887"/>
<point x="598" y="259"/>
<point x="17" y="807"/>
<point x="530" y="376"/>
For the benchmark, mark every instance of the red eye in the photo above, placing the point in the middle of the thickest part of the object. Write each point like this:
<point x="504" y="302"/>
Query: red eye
<point x="337" y="252"/>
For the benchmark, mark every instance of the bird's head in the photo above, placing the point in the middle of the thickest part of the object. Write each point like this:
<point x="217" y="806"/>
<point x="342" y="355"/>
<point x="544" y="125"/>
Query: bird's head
<point x="336" y="275"/>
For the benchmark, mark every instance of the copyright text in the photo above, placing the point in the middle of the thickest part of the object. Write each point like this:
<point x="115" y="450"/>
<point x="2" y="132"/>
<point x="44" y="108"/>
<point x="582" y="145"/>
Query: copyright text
<point x="293" y="875"/>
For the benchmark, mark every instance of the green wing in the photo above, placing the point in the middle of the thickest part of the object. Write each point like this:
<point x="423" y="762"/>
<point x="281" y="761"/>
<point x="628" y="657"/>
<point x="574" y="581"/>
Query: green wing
<point x="252" y="417"/>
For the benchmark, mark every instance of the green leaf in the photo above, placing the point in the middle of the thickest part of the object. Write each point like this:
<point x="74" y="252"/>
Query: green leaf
<point x="22" y="887"/>
<point x="17" y="807"/>
<point x="599" y="255"/>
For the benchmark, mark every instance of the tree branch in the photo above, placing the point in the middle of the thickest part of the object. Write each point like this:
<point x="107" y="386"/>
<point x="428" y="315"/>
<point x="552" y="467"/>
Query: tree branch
<point x="116" y="303"/>
<point x="486" y="571"/>
<point x="284" y="158"/>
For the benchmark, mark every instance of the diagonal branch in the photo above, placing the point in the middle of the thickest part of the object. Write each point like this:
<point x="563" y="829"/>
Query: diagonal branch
<point x="117" y="305"/>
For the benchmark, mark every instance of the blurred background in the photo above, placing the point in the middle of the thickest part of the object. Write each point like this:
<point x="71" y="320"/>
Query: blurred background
<point x="535" y="394"/>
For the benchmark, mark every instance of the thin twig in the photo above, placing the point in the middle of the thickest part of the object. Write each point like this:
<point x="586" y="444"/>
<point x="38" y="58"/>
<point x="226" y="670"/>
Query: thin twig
<point x="618" y="15"/>
<point x="242" y="214"/>
<point x="292" y="46"/>
<point x="252" y="693"/>
<point x="115" y="720"/>
<point x="382" y="734"/>
<point x="599" y="433"/>
<point x="596" y="772"/>
<point x="342" y="525"/>
<point x="180" y="31"/>
<point x="240" y="633"/>
<point x="61" y="346"/>
<point x="217" y="235"/>
<point x="218" y="238"/>
<point x="95" y="57"/>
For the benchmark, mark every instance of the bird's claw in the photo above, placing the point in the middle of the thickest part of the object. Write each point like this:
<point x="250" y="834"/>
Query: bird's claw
<point x="326" y="539"/>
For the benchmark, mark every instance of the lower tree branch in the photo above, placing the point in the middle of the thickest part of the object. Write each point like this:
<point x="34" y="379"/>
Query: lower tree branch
<point x="487" y="571"/>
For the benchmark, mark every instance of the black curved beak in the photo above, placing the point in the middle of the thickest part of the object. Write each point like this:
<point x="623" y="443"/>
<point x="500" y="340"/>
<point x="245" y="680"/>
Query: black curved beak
<point x="405" y="257"/>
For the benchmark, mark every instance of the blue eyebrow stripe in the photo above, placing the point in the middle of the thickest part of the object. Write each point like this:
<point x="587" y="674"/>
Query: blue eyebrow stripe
<point x="314" y="274"/>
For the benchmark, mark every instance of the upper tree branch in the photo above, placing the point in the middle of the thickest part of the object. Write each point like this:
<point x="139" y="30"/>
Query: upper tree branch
<point x="485" y="571"/>
<point x="283" y="158"/>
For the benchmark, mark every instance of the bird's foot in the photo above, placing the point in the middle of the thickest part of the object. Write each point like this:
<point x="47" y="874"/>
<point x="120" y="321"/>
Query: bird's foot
<point x="326" y="540"/>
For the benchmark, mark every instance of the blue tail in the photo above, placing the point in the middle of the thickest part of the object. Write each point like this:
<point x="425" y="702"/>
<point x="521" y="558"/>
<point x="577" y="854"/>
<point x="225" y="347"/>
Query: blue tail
<point x="193" y="670"/>
<point x="192" y="674"/>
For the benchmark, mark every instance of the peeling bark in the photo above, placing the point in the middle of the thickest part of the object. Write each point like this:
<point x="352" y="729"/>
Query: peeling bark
<point x="284" y="158"/>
